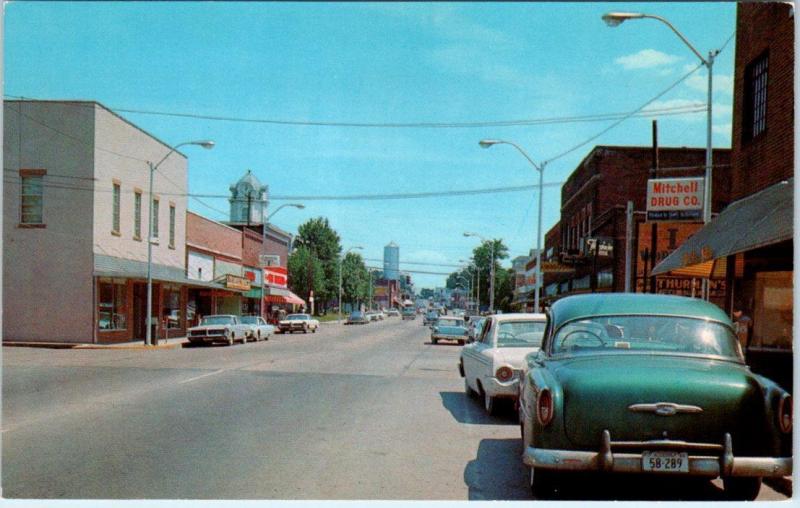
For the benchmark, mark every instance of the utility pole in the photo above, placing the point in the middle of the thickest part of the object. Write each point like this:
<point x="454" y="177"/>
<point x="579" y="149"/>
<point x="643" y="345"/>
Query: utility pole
<point x="654" y="225"/>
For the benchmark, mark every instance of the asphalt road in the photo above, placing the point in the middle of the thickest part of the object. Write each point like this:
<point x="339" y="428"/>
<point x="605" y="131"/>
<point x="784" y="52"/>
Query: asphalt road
<point x="351" y="412"/>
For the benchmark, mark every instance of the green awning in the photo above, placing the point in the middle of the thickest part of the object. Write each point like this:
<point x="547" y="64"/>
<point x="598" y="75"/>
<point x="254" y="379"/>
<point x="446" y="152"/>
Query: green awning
<point x="253" y="293"/>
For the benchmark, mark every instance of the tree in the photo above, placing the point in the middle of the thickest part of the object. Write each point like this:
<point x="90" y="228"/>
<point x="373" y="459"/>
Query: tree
<point x="482" y="256"/>
<point x="427" y="292"/>
<point x="305" y="273"/>
<point x="355" y="279"/>
<point x="324" y="243"/>
<point x="504" y="289"/>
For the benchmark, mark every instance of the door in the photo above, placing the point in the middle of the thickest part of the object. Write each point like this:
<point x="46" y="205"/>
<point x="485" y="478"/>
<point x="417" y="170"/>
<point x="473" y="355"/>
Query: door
<point x="140" y="310"/>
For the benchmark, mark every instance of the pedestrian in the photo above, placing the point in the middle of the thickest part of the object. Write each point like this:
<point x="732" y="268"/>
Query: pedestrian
<point x="743" y="325"/>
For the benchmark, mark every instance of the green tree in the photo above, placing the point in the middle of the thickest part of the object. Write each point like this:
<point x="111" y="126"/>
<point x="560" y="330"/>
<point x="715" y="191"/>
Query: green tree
<point x="504" y="285"/>
<point x="426" y="292"/>
<point x="306" y="273"/>
<point x="355" y="279"/>
<point x="324" y="242"/>
<point x="482" y="256"/>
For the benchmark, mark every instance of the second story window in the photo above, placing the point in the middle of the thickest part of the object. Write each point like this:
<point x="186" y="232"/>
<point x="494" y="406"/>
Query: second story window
<point x="754" y="121"/>
<point x="137" y="215"/>
<point x="154" y="218"/>
<point x="32" y="197"/>
<point x="172" y="226"/>
<point x="115" y="212"/>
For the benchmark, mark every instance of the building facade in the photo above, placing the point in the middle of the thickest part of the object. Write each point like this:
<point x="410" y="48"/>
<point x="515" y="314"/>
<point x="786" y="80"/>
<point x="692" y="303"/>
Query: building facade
<point x="76" y="223"/>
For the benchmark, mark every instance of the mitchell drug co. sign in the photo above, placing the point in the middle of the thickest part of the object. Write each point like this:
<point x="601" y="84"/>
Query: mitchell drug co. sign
<point x="671" y="199"/>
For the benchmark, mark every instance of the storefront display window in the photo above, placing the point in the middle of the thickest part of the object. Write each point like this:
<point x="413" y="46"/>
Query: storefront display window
<point x="171" y="310"/>
<point x="112" y="306"/>
<point x="772" y="316"/>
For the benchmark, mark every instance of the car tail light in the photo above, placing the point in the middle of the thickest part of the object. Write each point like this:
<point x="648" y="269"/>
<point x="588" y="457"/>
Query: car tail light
<point x="504" y="373"/>
<point x="785" y="414"/>
<point x="544" y="407"/>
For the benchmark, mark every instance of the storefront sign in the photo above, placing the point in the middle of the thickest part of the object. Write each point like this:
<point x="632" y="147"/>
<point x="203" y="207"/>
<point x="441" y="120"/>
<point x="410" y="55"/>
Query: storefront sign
<point x="253" y="275"/>
<point x="669" y="236"/>
<point x="276" y="276"/>
<point x="236" y="282"/>
<point x="674" y="199"/>
<point x="602" y="246"/>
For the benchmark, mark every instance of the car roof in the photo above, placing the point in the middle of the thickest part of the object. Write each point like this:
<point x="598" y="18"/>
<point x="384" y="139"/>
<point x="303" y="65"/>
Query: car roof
<point x="609" y="304"/>
<point x="519" y="316"/>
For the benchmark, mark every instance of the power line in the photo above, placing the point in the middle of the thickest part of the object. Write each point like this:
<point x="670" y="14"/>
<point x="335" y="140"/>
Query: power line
<point x="416" y="263"/>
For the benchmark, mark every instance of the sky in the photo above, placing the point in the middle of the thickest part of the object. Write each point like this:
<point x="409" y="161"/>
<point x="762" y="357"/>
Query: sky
<point x="379" y="64"/>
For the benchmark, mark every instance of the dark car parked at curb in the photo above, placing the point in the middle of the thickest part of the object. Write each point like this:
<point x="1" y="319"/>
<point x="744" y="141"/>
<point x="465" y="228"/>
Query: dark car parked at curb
<point x="654" y="385"/>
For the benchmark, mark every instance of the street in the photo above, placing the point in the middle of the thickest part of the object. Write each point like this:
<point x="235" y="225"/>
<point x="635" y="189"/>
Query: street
<point x="351" y="412"/>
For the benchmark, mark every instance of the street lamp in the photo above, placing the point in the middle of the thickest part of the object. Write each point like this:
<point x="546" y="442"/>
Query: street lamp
<point x="207" y="144"/>
<point x="339" y="320"/>
<point x="614" y="19"/>
<point x="486" y="143"/>
<point x="491" y="270"/>
<point x="477" y="280"/>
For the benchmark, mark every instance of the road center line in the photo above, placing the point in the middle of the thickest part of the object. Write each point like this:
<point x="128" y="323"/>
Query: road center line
<point x="201" y="376"/>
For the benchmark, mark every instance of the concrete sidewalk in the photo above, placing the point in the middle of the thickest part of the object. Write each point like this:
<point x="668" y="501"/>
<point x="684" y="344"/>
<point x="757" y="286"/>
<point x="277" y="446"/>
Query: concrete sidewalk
<point x="174" y="343"/>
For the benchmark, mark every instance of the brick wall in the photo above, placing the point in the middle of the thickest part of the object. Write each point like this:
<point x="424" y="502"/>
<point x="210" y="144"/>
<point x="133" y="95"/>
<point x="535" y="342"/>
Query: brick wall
<point x="251" y="247"/>
<point x="768" y="158"/>
<point x="213" y="237"/>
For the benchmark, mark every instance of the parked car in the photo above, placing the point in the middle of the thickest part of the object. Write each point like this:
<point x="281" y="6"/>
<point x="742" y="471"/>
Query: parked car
<point x="393" y="313"/>
<point x="653" y="384"/>
<point x="298" y="323"/>
<point x="491" y="363"/>
<point x="381" y="315"/>
<point x="259" y="329"/>
<point x="430" y="318"/>
<point x="219" y="328"/>
<point x="356" y="318"/>
<point x="408" y="313"/>
<point x="371" y="316"/>
<point x="449" y="328"/>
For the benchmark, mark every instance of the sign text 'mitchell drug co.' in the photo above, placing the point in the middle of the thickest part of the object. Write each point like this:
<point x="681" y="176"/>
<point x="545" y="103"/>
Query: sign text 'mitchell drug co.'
<point x="670" y="199"/>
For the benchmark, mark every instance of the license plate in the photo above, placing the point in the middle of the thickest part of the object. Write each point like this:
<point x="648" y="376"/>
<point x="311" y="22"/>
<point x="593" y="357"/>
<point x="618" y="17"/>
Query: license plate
<point x="665" y="462"/>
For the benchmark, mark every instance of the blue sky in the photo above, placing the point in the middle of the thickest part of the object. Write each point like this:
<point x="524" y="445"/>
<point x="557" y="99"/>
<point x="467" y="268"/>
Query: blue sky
<point x="380" y="63"/>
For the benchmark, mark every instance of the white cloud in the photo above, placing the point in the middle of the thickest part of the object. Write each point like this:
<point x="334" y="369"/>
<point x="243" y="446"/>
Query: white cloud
<point x="722" y="82"/>
<point x="647" y="59"/>
<point x="720" y="111"/>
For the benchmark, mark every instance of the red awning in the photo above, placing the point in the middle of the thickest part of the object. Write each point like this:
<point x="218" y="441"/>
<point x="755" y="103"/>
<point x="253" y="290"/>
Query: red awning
<point x="290" y="298"/>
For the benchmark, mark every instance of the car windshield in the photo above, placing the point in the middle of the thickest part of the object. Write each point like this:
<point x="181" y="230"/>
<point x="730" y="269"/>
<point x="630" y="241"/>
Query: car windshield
<point x="250" y="320"/>
<point x="667" y="334"/>
<point x="520" y="334"/>
<point x="449" y="322"/>
<point x="297" y="317"/>
<point x="218" y="320"/>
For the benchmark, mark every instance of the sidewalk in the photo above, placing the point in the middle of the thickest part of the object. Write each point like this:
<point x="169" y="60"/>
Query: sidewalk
<point x="174" y="343"/>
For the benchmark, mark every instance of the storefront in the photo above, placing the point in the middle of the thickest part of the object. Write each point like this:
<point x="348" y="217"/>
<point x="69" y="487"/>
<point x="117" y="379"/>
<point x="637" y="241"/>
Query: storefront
<point x="251" y="299"/>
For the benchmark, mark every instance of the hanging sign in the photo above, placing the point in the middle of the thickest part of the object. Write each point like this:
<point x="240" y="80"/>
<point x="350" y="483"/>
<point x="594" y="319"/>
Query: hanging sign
<point x="675" y="199"/>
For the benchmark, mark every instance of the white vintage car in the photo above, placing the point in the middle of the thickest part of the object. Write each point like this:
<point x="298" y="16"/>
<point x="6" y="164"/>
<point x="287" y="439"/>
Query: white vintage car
<point x="298" y="323"/>
<point x="219" y="328"/>
<point x="259" y="329"/>
<point x="491" y="364"/>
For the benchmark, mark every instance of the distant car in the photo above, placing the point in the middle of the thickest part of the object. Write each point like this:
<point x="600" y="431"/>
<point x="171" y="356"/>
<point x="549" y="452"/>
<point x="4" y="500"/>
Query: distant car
<point x="371" y="316"/>
<point x="449" y="328"/>
<point x="381" y="315"/>
<point x="408" y="313"/>
<point x="219" y="328"/>
<point x="298" y="323"/>
<point x="393" y="313"/>
<point x="356" y="318"/>
<point x="259" y="329"/>
<point x="430" y="318"/>
<point x="491" y="365"/>
<point x="654" y="385"/>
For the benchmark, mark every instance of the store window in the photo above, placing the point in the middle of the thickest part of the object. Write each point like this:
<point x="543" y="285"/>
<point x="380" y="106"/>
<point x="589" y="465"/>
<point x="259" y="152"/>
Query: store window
<point x="772" y="315"/>
<point x="32" y="196"/>
<point x="171" y="309"/>
<point x="605" y="279"/>
<point x="112" y="306"/>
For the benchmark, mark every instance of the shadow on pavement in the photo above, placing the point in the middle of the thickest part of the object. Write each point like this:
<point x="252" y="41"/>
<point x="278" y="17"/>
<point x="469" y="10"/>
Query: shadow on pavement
<point x="467" y="410"/>
<point x="497" y="473"/>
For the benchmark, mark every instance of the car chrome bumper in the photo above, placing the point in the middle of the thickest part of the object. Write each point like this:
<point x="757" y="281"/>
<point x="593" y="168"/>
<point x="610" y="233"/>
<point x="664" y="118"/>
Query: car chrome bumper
<point x="497" y="388"/>
<point x="449" y="337"/>
<point x="723" y="463"/>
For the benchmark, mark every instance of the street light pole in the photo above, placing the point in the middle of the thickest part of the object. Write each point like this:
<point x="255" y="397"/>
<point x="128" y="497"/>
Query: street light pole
<point x="339" y="320"/>
<point x="486" y="143"/>
<point x="491" y="270"/>
<point x="148" y="338"/>
<point x="614" y="19"/>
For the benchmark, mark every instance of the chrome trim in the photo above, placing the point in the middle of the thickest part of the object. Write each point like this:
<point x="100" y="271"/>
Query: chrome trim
<point x="665" y="408"/>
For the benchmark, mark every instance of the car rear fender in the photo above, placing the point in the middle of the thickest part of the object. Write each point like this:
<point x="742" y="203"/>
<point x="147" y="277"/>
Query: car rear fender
<point x="537" y="379"/>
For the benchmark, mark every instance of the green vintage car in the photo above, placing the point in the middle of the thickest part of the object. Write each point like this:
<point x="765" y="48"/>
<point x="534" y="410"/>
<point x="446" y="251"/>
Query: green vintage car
<point x="652" y="384"/>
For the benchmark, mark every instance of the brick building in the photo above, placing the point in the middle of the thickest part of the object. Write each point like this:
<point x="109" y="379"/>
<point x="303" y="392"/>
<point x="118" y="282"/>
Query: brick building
<point x="593" y="206"/>
<point x="750" y="243"/>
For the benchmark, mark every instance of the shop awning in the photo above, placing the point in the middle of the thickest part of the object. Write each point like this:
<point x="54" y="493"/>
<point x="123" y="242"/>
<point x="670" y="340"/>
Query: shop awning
<point x="282" y="296"/>
<point x="759" y="220"/>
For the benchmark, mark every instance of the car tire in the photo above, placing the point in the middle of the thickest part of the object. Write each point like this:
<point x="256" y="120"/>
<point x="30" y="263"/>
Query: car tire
<point x="461" y="342"/>
<point x="741" y="488"/>
<point x="435" y="341"/>
<point x="489" y="404"/>
<point x="230" y="339"/>
<point x="305" y="328"/>
<point x="542" y="483"/>
<point x="314" y="330"/>
<point x="258" y="337"/>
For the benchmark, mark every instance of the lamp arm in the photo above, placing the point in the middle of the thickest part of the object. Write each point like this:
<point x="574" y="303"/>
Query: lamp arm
<point x="679" y="34"/>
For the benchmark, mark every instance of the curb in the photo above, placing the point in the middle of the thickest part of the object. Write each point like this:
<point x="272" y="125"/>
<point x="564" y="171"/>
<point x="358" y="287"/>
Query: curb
<point x="57" y="345"/>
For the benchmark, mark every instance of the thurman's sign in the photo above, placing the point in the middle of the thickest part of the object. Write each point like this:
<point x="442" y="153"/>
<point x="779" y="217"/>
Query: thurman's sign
<point x="236" y="282"/>
<point x="276" y="276"/>
<point x="675" y="199"/>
